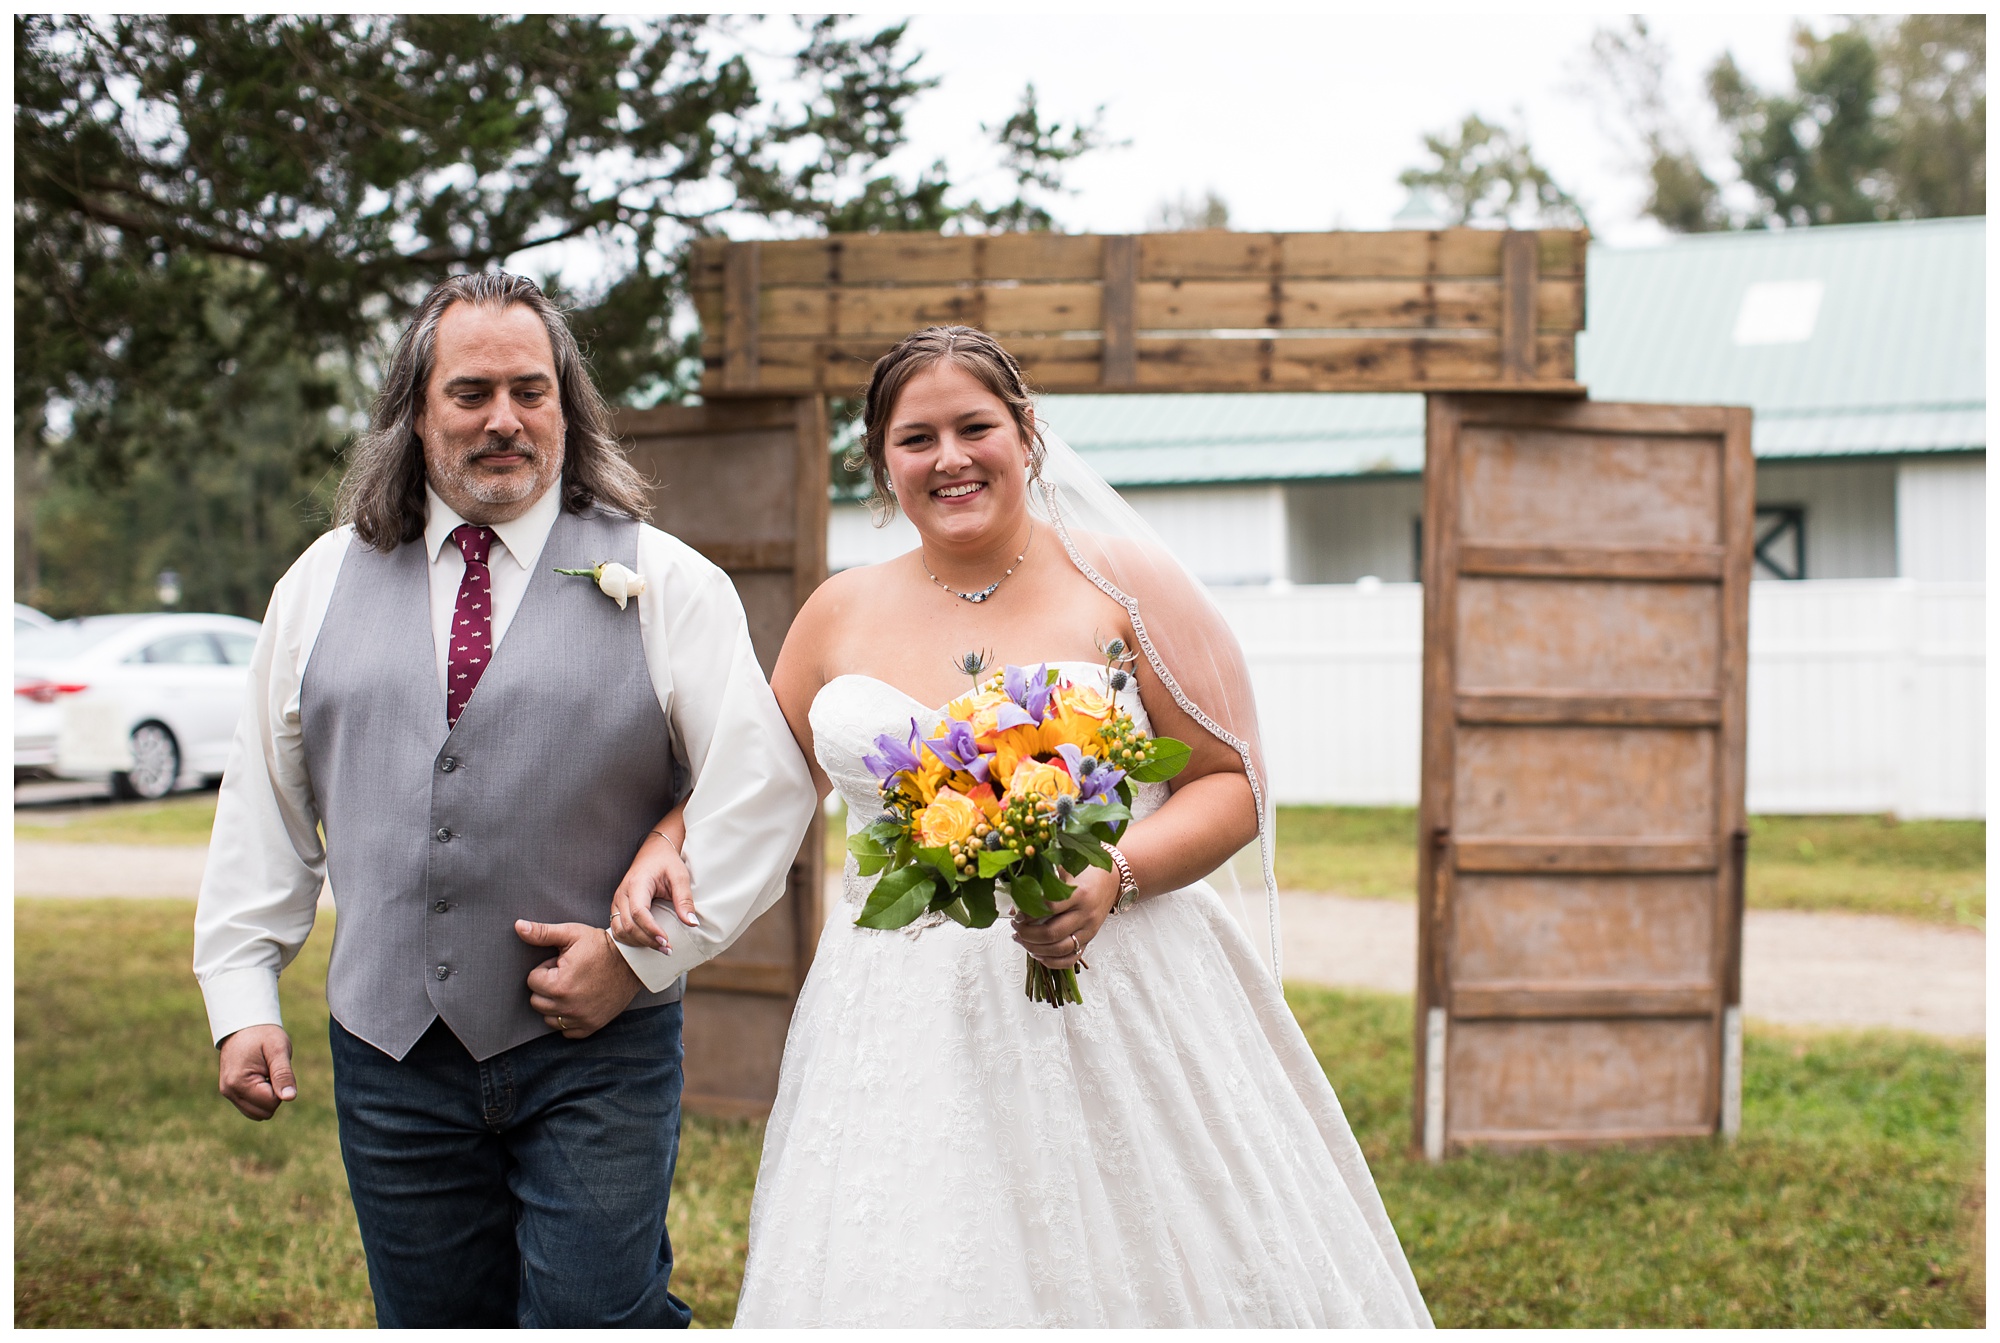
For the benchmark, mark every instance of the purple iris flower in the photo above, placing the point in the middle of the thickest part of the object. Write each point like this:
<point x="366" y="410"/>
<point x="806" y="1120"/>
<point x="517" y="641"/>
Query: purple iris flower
<point x="1031" y="692"/>
<point x="896" y="758"/>
<point x="1102" y="778"/>
<point x="959" y="750"/>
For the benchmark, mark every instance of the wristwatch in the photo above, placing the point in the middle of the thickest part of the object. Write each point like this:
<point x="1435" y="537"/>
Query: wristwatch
<point x="1128" y="885"/>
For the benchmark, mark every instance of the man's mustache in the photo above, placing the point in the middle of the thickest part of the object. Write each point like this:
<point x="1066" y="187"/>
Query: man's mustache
<point x="504" y="447"/>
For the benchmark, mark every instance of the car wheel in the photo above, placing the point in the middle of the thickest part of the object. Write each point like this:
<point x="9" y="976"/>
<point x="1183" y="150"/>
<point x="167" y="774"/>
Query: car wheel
<point x="156" y="764"/>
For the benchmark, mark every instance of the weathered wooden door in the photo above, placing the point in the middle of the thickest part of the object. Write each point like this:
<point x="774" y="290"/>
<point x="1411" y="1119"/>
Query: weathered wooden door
<point x="745" y="483"/>
<point x="1586" y="576"/>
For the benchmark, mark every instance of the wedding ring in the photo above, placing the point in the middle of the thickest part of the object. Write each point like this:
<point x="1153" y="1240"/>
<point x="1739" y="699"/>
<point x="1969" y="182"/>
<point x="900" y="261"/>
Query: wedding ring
<point x="562" y="1022"/>
<point x="1078" y="945"/>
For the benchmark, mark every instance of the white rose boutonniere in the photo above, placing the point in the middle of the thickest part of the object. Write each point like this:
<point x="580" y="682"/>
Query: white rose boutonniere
<point x="614" y="580"/>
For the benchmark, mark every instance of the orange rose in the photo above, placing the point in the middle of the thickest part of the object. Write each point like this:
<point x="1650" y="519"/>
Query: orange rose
<point x="947" y="820"/>
<point x="983" y="798"/>
<point x="1073" y="729"/>
<point x="1035" y="776"/>
<point x="1082" y="699"/>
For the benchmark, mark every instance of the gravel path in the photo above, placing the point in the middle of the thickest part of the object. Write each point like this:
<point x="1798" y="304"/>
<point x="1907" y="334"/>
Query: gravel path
<point x="1803" y="968"/>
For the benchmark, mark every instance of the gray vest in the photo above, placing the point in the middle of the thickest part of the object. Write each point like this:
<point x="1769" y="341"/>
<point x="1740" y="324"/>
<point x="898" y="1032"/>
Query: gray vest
<point x="532" y="807"/>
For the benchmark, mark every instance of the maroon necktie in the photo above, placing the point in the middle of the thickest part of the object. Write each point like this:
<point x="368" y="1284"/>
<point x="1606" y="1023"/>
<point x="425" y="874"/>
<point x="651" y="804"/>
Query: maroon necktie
<point x="471" y="621"/>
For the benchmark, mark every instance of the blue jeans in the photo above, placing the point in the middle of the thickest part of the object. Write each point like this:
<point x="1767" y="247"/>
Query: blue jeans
<point x="527" y="1190"/>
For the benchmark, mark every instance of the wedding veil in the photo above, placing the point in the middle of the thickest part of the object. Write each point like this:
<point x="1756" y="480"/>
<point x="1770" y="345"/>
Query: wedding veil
<point x="1188" y="646"/>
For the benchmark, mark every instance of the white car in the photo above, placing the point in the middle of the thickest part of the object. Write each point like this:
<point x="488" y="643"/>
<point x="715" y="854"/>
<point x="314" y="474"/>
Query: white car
<point x="28" y="618"/>
<point x="143" y="701"/>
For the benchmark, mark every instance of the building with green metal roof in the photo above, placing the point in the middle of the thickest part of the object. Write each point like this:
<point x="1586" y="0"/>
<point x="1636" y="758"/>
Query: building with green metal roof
<point x="1861" y="349"/>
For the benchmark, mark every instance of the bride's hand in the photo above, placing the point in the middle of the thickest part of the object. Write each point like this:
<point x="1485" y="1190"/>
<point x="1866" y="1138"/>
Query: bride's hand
<point x="657" y="873"/>
<point x="1079" y="917"/>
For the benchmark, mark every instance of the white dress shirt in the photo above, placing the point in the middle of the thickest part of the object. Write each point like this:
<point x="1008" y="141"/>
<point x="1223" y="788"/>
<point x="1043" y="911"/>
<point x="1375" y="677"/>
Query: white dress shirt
<point x="752" y="796"/>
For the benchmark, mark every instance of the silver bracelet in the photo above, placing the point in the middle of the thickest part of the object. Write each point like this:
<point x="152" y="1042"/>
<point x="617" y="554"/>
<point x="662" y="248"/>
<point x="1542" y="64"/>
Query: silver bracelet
<point x="1128" y="885"/>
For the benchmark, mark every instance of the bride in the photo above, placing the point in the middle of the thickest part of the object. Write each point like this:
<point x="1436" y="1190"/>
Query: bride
<point x="944" y="1151"/>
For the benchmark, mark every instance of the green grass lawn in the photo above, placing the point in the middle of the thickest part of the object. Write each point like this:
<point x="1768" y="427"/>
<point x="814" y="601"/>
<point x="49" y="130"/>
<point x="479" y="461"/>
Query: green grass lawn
<point x="1855" y="1197"/>
<point x="1931" y="870"/>
<point x="183" y="819"/>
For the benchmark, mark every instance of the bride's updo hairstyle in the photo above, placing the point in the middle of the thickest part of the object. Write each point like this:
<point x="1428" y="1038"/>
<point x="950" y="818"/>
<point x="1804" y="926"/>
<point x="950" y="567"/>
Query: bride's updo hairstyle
<point x="970" y="349"/>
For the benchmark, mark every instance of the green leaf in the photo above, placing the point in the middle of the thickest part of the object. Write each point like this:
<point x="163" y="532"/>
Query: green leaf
<point x="898" y="898"/>
<point x="1027" y="892"/>
<point x="869" y="855"/>
<point x="992" y="862"/>
<point x="1091" y="813"/>
<point x="940" y="861"/>
<point x="1084" y="850"/>
<point x="977" y="898"/>
<point x="955" y="911"/>
<point x="885" y="833"/>
<point x="1170" y="757"/>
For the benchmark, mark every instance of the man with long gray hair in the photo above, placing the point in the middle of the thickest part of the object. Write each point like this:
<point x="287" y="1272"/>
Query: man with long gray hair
<point x="485" y="701"/>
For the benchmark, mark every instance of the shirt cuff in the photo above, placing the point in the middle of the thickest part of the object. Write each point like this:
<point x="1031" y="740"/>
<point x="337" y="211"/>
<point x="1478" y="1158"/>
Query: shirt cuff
<point x="656" y="970"/>
<point x="240" y="998"/>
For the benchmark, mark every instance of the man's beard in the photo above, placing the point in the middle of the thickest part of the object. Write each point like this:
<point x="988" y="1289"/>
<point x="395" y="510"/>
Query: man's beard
<point x="500" y="489"/>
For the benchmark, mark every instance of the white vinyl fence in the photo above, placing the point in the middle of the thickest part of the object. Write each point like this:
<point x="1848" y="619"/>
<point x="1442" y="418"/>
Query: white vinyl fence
<point x="1865" y="695"/>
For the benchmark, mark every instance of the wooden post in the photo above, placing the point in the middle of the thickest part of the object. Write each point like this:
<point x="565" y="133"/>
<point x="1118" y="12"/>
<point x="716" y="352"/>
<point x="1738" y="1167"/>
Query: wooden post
<point x="742" y="283"/>
<point x="744" y="482"/>
<point x="1121" y="282"/>
<point x="1520" y="265"/>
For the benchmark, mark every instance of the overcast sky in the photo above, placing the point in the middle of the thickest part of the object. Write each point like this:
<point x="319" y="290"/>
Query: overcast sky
<point x="1303" y="122"/>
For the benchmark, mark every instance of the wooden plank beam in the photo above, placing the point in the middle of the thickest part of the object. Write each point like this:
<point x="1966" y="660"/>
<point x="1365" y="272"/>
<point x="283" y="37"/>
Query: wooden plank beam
<point x="1565" y="853"/>
<point x="1548" y="1000"/>
<point x="1703" y="564"/>
<point x="1118" y="317"/>
<point x="741" y="304"/>
<point x="1616" y="710"/>
<point x="1519" y="270"/>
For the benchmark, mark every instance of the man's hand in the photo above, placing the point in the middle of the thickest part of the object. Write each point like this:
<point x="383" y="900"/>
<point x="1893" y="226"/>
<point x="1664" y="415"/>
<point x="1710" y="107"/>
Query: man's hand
<point x="585" y="985"/>
<point x="256" y="1066"/>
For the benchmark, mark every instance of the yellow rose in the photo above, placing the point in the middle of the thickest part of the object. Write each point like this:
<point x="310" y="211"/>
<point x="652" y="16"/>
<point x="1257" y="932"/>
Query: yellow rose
<point x="1082" y="699"/>
<point x="1034" y="776"/>
<point x="947" y="820"/>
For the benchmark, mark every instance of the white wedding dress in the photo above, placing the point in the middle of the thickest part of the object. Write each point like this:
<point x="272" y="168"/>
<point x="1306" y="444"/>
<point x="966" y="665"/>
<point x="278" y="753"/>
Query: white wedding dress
<point x="944" y="1152"/>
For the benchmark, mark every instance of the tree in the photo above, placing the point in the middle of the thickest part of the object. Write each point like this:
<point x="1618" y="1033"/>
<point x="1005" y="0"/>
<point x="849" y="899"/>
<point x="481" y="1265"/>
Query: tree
<point x="1632" y="67"/>
<point x="219" y="218"/>
<point x="1185" y="214"/>
<point x="1489" y="175"/>
<point x="1886" y="120"/>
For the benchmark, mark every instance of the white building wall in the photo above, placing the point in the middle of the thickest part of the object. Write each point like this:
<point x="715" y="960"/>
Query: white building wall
<point x="1361" y="527"/>
<point x="1864" y="696"/>
<point x="1227" y="534"/>
<point x="1850" y="514"/>
<point x="853" y="539"/>
<point x="1941" y="519"/>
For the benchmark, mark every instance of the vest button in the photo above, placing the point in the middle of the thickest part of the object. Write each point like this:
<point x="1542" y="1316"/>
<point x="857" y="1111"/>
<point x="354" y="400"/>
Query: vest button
<point x="441" y="906"/>
<point x="443" y="835"/>
<point x="448" y="764"/>
<point x="443" y="971"/>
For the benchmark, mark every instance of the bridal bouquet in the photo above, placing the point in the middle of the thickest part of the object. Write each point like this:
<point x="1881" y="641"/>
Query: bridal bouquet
<point x="1030" y="775"/>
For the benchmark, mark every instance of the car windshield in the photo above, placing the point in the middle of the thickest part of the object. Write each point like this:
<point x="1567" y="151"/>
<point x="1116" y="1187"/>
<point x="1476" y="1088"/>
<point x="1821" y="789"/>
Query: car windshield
<point x="68" y="638"/>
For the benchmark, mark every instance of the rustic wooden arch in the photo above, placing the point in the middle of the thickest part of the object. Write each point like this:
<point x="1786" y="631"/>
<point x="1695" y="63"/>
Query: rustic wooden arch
<point x="1586" y="597"/>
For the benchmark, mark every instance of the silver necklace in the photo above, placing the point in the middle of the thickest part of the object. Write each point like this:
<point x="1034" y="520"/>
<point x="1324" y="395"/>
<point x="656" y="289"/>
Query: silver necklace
<point x="977" y="597"/>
